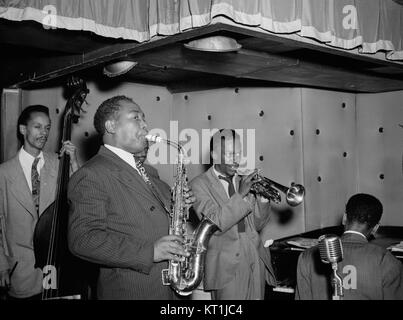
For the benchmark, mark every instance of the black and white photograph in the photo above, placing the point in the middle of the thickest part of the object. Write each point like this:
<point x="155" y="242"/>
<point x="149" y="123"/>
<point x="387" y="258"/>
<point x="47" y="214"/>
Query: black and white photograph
<point x="201" y="154"/>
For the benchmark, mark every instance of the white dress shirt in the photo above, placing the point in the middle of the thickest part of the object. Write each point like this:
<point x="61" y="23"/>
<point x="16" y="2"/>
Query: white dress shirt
<point x="26" y="161"/>
<point x="355" y="232"/>
<point x="124" y="155"/>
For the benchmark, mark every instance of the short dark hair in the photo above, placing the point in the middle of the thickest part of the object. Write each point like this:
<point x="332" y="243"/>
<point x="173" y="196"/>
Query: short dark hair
<point x="222" y="134"/>
<point x="25" y="116"/>
<point x="364" y="209"/>
<point x="108" y="110"/>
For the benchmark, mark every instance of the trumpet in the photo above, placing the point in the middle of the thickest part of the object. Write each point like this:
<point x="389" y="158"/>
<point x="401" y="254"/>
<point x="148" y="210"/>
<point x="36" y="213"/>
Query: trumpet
<point x="269" y="189"/>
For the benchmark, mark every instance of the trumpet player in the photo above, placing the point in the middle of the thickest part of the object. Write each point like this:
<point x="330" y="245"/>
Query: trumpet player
<point x="237" y="265"/>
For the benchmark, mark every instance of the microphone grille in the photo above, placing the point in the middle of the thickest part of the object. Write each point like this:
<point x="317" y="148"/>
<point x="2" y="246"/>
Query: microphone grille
<point x="330" y="248"/>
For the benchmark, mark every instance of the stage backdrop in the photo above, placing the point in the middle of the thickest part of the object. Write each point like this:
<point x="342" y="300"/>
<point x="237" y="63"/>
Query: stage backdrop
<point x="335" y="144"/>
<point x="370" y="26"/>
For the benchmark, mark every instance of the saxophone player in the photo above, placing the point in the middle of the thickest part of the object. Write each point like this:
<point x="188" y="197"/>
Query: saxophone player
<point x="237" y="265"/>
<point x="118" y="215"/>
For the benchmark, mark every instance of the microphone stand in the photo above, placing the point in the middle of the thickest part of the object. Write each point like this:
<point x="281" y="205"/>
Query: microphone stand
<point x="337" y="284"/>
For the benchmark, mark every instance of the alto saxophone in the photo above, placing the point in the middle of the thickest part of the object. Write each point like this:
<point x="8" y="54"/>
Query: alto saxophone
<point x="186" y="275"/>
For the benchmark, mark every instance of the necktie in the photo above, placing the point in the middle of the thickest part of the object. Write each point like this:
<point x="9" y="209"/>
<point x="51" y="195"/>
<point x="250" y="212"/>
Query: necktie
<point x="231" y="191"/>
<point x="35" y="184"/>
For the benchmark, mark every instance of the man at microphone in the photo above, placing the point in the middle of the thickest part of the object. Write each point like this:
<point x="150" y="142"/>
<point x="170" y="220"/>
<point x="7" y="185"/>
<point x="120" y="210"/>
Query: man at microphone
<point x="367" y="271"/>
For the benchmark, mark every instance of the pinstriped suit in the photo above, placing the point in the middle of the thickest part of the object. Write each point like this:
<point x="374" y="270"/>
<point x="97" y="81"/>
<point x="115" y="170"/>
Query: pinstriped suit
<point x="114" y="221"/>
<point x="18" y="219"/>
<point x="379" y="274"/>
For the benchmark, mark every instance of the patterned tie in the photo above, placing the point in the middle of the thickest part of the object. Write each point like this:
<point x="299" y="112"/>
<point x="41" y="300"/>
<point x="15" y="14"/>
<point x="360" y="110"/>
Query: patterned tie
<point x="143" y="173"/>
<point x="231" y="191"/>
<point x="35" y="184"/>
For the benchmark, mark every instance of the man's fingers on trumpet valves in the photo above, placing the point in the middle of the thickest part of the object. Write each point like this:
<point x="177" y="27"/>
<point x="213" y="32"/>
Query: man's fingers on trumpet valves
<point x="247" y="182"/>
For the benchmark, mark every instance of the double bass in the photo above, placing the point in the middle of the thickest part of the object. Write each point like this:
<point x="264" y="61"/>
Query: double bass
<point x="63" y="274"/>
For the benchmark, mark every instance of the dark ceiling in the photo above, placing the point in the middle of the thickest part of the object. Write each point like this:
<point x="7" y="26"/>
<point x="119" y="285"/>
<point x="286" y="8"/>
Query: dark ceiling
<point x="33" y="56"/>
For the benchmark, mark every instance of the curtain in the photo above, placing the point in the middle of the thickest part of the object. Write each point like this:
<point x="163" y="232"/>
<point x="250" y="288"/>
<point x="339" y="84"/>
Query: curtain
<point x="367" y="25"/>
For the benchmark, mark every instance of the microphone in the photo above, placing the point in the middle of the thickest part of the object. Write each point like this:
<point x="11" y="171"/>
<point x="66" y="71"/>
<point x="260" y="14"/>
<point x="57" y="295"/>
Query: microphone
<point x="331" y="251"/>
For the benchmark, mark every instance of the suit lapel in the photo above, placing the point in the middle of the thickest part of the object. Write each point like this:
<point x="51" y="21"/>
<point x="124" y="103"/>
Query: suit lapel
<point x="216" y="185"/>
<point x="19" y="187"/>
<point x="132" y="180"/>
<point x="219" y="189"/>
<point x="127" y="175"/>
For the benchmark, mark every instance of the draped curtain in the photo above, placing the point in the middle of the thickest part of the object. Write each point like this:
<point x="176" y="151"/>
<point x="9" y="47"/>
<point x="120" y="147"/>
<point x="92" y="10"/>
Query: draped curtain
<point x="367" y="25"/>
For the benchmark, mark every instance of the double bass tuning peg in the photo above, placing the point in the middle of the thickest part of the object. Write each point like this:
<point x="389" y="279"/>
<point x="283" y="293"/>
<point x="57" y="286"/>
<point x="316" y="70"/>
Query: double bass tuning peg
<point x="74" y="81"/>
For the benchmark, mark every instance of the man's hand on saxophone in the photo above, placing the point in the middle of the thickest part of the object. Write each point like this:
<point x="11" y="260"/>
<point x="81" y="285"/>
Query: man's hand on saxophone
<point x="169" y="248"/>
<point x="172" y="247"/>
<point x="188" y="196"/>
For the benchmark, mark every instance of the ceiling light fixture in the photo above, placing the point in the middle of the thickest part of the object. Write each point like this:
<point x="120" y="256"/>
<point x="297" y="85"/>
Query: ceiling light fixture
<point x="118" y="68"/>
<point x="214" y="44"/>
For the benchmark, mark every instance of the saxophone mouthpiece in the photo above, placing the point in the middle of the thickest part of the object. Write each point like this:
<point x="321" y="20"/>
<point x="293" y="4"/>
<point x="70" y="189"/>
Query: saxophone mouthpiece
<point x="153" y="138"/>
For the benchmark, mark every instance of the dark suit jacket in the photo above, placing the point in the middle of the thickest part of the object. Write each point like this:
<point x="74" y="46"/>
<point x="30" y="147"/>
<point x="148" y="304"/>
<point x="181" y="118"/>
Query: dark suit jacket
<point x="379" y="275"/>
<point x="114" y="221"/>
<point x="18" y="219"/>
<point x="222" y="256"/>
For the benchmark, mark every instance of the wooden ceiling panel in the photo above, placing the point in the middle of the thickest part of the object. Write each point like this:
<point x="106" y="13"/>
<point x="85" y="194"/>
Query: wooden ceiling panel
<point x="32" y="55"/>
<point x="234" y="64"/>
<point x="250" y="64"/>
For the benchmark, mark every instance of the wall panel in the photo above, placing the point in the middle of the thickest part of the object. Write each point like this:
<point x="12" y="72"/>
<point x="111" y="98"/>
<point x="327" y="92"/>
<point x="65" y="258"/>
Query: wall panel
<point x="274" y="115"/>
<point x="348" y="153"/>
<point x="11" y="101"/>
<point x="329" y="127"/>
<point x="380" y="149"/>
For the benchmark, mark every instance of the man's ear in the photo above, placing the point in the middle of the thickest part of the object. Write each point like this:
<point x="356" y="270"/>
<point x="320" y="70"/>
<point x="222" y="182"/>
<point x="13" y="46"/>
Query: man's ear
<point x="110" y="126"/>
<point x="22" y="129"/>
<point x="375" y="229"/>
<point x="344" y="220"/>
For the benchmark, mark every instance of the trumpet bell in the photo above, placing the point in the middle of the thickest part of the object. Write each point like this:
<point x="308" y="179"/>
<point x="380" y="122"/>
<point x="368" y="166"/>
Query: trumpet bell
<point x="295" y="194"/>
